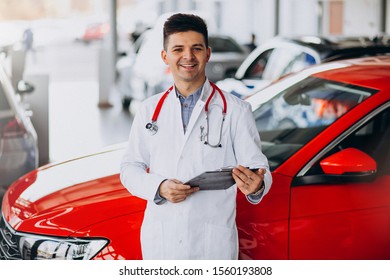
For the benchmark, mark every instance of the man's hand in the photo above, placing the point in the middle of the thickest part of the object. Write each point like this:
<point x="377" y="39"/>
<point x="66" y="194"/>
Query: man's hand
<point x="247" y="181"/>
<point x="174" y="191"/>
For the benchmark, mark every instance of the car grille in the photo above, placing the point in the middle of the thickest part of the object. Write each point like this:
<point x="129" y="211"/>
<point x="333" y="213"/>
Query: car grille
<point x="8" y="242"/>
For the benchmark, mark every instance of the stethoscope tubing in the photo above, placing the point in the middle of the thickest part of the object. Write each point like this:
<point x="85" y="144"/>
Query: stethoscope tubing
<point x="207" y="142"/>
<point x="152" y="126"/>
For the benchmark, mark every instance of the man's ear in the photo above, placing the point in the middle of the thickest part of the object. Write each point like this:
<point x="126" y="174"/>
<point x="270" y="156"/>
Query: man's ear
<point x="208" y="54"/>
<point x="164" y="56"/>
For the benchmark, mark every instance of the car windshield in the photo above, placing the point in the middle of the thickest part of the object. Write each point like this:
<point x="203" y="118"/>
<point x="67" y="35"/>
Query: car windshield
<point x="222" y="45"/>
<point x="297" y="114"/>
<point x="274" y="63"/>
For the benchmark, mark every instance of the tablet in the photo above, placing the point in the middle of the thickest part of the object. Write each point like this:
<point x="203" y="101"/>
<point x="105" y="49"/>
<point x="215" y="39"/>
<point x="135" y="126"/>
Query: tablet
<point x="214" y="180"/>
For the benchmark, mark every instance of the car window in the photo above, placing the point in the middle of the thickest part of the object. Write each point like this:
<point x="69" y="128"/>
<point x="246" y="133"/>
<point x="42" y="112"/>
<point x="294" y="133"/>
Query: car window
<point x="296" y="115"/>
<point x="299" y="62"/>
<point x="372" y="138"/>
<point x="285" y="60"/>
<point x="223" y="45"/>
<point x="256" y="70"/>
<point x="4" y="105"/>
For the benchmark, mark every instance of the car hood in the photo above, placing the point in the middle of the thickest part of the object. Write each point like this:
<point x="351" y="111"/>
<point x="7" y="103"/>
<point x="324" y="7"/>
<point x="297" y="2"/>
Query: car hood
<point x="63" y="198"/>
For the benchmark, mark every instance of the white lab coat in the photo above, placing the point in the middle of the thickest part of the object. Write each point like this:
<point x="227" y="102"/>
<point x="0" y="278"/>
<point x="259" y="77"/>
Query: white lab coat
<point x="202" y="226"/>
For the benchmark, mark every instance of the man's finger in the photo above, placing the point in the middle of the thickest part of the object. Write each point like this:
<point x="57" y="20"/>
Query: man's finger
<point x="244" y="177"/>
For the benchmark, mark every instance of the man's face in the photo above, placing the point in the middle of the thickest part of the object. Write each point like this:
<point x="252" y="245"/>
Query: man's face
<point x="187" y="55"/>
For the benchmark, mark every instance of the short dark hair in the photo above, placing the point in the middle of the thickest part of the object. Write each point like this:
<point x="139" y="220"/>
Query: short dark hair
<point x="182" y="23"/>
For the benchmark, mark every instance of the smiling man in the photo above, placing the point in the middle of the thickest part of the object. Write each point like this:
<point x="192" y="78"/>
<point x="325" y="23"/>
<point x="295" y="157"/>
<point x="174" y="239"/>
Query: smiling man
<point x="191" y="128"/>
<point x="186" y="54"/>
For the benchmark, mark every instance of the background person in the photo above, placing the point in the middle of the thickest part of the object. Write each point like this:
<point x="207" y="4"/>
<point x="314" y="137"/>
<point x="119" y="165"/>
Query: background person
<point x="28" y="39"/>
<point x="252" y="44"/>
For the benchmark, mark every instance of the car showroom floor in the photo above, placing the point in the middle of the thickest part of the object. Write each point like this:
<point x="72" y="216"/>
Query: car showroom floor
<point x="77" y="126"/>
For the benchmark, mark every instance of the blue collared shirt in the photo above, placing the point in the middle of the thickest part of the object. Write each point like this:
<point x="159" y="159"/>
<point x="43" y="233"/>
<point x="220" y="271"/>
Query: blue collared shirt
<point x="188" y="105"/>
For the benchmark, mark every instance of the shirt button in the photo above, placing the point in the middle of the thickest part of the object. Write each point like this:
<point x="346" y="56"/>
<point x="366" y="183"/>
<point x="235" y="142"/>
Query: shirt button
<point x="185" y="105"/>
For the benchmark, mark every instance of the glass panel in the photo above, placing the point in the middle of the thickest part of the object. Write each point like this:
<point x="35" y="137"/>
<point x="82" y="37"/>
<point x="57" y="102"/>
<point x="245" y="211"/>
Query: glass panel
<point x="256" y="70"/>
<point x="296" y="115"/>
<point x="299" y="62"/>
<point x="223" y="45"/>
<point x="372" y="138"/>
<point x="280" y="59"/>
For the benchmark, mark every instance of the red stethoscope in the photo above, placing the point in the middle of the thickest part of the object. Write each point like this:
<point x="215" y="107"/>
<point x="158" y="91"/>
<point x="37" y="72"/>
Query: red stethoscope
<point x="153" y="128"/>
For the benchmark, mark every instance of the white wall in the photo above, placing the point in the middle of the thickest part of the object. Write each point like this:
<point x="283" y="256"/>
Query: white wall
<point x="241" y="18"/>
<point x="362" y="17"/>
<point x="297" y="17"/>
<point x="388" y="16"/>
<point x="235" y="20"/>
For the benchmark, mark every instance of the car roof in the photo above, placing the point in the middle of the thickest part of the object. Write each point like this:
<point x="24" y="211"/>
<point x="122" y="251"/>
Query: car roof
<point x="324" y="49"/>
<point x="340" y="47"/>
<point x="371" y="72"/>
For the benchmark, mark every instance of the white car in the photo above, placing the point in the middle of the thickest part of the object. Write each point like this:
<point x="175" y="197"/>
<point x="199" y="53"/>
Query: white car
<point x="281" y="56"/>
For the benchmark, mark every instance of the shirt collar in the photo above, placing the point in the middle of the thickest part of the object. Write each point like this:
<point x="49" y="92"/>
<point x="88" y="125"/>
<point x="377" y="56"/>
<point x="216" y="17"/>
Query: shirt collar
<point x="194" y="96"/>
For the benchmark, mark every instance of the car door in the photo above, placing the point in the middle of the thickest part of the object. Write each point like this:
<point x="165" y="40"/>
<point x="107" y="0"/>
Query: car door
<point x="345" y="216"/>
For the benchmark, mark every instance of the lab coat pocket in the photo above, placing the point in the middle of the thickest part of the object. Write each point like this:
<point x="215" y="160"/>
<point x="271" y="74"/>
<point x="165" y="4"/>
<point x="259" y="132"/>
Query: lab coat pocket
<point x="214" y="142"/>
<point x="213" y="158"/>
<point x="221" y="243"/>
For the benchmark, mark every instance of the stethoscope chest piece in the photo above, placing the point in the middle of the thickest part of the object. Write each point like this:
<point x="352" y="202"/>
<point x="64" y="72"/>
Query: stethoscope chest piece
<point x="152" y="127"/>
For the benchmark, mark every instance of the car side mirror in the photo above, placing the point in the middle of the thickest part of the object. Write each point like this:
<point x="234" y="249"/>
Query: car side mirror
<point x="347" y="166"/>
<point x="23" y="87"/>
<point x="349" y="161"/>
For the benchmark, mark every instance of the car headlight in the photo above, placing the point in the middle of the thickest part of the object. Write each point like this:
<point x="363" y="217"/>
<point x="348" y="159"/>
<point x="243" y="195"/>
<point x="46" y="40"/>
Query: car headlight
<point x="45" y="248"/>
<point x="16" y="245"/>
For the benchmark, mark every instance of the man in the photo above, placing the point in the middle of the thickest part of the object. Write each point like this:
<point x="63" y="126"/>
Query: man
<point x="252" y="44"/>
<point x="181" y="133"/>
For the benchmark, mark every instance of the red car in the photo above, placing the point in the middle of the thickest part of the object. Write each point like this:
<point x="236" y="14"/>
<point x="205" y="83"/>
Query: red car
<point x="326" y="134"/>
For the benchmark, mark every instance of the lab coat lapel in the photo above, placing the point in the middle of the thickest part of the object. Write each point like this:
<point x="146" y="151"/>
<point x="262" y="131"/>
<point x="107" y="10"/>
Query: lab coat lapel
<point x="176" y="120"/>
